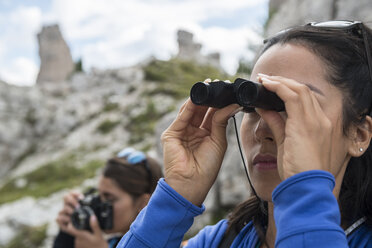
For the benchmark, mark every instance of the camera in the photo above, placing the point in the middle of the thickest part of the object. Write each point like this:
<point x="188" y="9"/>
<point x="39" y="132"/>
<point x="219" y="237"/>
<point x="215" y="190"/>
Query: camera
<point x="248" y="94"/>
<point x="92" y="204"/>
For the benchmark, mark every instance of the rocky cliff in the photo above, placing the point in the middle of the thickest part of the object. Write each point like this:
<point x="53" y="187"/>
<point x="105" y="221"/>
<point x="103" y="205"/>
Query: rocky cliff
<point x="287" y="13"/>
<point x="56" y="61"/>
<point x="56" y="135"/>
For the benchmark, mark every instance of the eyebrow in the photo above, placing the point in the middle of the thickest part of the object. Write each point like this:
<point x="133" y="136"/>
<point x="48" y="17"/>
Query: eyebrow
<point x="315" y="89"/>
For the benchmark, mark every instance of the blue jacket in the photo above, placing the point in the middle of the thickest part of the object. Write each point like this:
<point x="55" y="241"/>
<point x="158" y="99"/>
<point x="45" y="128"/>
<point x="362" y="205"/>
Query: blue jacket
<point x="305" y="210"/>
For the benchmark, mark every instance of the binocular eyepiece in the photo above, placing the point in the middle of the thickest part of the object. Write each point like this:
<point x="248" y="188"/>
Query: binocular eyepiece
<point x="246" y="93"/>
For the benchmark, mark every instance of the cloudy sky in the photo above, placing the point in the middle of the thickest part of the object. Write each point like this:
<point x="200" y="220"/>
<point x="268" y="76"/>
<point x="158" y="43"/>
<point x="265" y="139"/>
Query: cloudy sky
<point x="116" y="33"/>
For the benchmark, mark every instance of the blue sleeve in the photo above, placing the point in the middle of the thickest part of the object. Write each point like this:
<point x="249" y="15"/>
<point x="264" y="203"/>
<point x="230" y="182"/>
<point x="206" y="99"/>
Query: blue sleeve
<point x="306" y="212"/>
<point x="209" y="236"/>
<point x="163" y="222"/>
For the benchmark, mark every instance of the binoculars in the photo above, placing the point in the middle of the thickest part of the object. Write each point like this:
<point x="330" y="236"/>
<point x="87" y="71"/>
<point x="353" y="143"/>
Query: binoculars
<point x="248" y="94"/>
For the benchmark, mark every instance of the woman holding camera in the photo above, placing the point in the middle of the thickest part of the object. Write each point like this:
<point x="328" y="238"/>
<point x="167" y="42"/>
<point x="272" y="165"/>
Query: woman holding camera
<point x="310" y="166"/>
<point x="126" y="184"/>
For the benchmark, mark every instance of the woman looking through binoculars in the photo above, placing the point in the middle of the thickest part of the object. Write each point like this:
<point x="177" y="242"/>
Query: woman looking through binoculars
<point x="310" y="165"/>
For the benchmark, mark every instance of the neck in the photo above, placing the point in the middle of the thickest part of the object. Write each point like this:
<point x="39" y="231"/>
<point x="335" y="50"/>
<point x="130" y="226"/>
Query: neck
<point x="271" y="228"/>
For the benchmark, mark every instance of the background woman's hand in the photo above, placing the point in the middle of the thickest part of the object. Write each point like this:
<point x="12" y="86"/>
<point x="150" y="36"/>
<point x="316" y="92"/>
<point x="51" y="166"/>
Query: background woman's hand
<point x="304" y="139"/>
<point x="194" y="146"/>
<point x="70" y="203"/>
<point x="87" y="239"/>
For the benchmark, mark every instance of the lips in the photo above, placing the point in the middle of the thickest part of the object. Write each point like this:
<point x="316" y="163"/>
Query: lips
<point x="264" y="162"/>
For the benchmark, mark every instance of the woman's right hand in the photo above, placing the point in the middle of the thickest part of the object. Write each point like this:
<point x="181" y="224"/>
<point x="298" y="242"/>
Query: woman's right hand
<point x="70" y="203"/>
<point x="194" y="146"/>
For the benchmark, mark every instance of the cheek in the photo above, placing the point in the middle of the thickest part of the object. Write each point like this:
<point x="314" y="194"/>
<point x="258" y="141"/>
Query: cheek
<point x="247" y="130"/>
<point x="123" y="216"/>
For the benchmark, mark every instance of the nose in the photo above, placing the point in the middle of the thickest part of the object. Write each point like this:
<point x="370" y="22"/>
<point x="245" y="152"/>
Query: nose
<point x="262" y="132"/>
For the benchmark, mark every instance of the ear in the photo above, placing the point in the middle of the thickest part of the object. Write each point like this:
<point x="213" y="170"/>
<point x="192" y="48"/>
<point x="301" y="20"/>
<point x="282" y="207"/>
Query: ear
<point x="361" y="136"/>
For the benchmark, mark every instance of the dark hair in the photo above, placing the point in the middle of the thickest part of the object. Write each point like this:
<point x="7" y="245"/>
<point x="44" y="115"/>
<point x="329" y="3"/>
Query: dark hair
<point x="134" y="179"/>
<point x="345" y="57"/>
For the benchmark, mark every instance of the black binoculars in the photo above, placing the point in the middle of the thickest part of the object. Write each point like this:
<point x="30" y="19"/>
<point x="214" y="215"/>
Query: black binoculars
<point x="248" y="94"/>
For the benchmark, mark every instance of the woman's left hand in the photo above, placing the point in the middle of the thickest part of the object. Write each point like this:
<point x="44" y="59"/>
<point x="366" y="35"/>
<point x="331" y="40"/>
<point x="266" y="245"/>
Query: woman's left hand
<point x="304" y="139"/>
<point x="87" y="239"/>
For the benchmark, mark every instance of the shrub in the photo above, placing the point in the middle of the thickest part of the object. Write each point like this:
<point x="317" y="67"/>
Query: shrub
<point x="49" y="178"/>
<point x="175" y="77"/>
<point x="27" y="236"/>
<point x="107" y="126"/>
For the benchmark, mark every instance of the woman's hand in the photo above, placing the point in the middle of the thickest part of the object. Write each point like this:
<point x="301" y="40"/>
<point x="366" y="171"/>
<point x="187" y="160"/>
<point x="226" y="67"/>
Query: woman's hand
<point x="194" y="146"/>
<point x="304" y="139"/>
<point x="87" y="239"/>
<point x="70" y="203"/>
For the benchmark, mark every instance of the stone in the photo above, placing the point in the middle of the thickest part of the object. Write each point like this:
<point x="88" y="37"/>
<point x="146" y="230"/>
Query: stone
<point x="56" y="62"/>
<point x="292" y="12"/>
<point x="351" y="10"/>
<point x="188" y="49"/>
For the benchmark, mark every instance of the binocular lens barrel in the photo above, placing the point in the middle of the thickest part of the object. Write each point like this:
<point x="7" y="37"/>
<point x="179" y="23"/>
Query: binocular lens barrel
<point x="246" y="93"/>
<point x="217" y="94"/>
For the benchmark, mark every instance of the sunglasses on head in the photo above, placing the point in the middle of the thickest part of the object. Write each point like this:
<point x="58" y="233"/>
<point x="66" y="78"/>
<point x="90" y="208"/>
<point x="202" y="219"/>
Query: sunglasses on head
<point x="135" y="157"/>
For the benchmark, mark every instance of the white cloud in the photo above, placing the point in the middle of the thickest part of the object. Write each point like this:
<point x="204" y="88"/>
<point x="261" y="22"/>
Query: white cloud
<point x="131" y="30"/>
<point x="21" y="71"/>
<point x="231" y="43"/>
<point x="115" y="33"/>
<point x="18" y="38"/>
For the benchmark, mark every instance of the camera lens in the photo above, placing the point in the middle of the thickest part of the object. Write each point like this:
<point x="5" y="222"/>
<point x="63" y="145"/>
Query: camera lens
<point x="80" y="218"/>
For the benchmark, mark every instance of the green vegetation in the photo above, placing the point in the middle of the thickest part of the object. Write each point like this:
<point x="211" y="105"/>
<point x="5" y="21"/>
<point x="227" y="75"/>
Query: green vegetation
<point x="245" y="67"/>
<point x="110" y="106"/>
<point x="30" y="237"/>
<point x="144" y="122"/>
<point x="107" y="126"/>
<point x="51" y="177"/>
<point x="79" y="65"/>
<point x="30" y="117"/>
<point x="175" y="77"/>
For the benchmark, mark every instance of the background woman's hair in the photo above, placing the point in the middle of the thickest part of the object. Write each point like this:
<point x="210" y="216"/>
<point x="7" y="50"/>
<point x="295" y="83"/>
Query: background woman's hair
<point x="135" y="179"/>
<point x="345" y="57"/>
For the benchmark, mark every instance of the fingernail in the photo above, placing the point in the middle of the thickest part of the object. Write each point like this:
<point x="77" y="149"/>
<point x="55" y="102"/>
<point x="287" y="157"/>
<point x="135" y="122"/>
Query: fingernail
<point x="268" y="81"/>
<point x="208" y="80"/>
<point x="236" y="111"/>
<point x="216" y="80"/>
<point x="262" y="75"/>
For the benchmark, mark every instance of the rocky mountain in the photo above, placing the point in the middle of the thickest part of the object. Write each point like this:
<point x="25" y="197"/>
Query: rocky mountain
<point x="56" y="135"/>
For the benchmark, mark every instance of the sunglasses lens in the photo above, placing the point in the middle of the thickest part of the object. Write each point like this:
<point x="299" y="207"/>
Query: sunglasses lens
<point x="333" y="24"/>
<point x="136" y="157"/>
<point x="125" y="152"/>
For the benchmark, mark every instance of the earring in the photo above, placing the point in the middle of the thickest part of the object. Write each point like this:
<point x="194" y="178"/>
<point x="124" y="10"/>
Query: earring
<point x="361" y="149"/>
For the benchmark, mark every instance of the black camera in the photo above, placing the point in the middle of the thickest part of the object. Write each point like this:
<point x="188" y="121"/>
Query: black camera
<point x="246" y="93"/>
<point x="92" y="204"/>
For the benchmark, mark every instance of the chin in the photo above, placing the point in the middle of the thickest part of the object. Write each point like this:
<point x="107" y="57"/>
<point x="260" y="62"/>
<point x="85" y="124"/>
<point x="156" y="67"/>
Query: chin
<point x="264" y="191"/>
